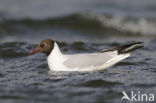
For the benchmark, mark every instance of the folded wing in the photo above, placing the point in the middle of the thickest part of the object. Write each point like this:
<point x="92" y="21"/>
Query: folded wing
<point x="88" y="60"/>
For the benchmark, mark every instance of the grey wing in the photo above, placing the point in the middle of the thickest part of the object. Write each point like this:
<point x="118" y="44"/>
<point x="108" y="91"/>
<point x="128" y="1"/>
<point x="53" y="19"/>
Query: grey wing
<point x="86" y="60"/>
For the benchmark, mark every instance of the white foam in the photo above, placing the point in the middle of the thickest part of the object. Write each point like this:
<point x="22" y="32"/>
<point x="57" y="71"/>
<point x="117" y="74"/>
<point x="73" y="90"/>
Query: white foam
<point x="142" y="26"/>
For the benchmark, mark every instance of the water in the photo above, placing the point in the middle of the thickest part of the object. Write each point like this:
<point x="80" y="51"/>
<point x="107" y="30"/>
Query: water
<point x="78" y="26"/>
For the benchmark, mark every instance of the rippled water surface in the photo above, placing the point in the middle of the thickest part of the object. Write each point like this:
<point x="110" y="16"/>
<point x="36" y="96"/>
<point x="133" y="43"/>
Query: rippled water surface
<point x="26" y="78"/>
<point x="78" y="26"/>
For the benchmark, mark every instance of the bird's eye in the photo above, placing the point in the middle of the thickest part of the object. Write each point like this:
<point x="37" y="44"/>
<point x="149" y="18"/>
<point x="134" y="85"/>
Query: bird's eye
<point x="43" y="45"/>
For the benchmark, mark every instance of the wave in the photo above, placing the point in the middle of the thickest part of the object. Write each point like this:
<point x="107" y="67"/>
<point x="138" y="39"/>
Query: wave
<point x="89" y="23"/>
<point x="143" y="26"/>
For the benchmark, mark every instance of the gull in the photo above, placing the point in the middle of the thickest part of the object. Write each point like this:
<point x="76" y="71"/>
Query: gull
<point x="57" y="61"/>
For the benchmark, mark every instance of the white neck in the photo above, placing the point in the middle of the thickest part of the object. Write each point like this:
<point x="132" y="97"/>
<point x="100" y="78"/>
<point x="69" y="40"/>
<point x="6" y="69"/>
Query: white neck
<point x="56" y="50"/>
<point x="55" y="58"/>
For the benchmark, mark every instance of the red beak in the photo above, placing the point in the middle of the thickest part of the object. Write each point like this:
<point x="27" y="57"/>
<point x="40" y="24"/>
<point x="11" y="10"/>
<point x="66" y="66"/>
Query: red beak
<point x="34" y="51"/>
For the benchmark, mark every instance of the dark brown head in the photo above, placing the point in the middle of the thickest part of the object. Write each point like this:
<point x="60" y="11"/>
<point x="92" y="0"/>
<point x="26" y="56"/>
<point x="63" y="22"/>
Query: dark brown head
<point x="46" y="46"/>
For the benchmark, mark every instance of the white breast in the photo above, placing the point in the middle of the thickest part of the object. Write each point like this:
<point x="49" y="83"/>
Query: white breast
<point x="56" y="59"/>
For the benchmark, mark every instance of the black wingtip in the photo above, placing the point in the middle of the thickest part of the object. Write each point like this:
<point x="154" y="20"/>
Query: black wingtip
<point x="130" y="47"/>
<point x="125" y="48"/>
<point x="138" y="43"/>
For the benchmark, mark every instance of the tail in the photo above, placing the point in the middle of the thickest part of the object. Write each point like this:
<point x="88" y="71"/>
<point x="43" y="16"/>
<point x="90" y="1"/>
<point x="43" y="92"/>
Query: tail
<point x="129" y="47"/>
<point x="125" y="48"/>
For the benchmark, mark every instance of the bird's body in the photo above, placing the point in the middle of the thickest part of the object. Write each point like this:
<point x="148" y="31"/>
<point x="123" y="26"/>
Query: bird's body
<point x="58" y="61"/>
<point x="82" y="62"/>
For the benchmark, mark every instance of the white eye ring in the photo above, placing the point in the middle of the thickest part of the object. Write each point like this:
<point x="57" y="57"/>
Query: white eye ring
<point x="43" y="45"/>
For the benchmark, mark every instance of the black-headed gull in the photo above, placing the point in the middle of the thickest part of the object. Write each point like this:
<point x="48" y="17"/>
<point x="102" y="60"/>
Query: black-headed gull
<point x="58" y="61"/>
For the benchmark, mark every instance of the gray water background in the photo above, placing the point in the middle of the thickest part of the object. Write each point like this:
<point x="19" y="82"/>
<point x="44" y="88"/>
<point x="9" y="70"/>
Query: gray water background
<point x="78" y="26"/>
